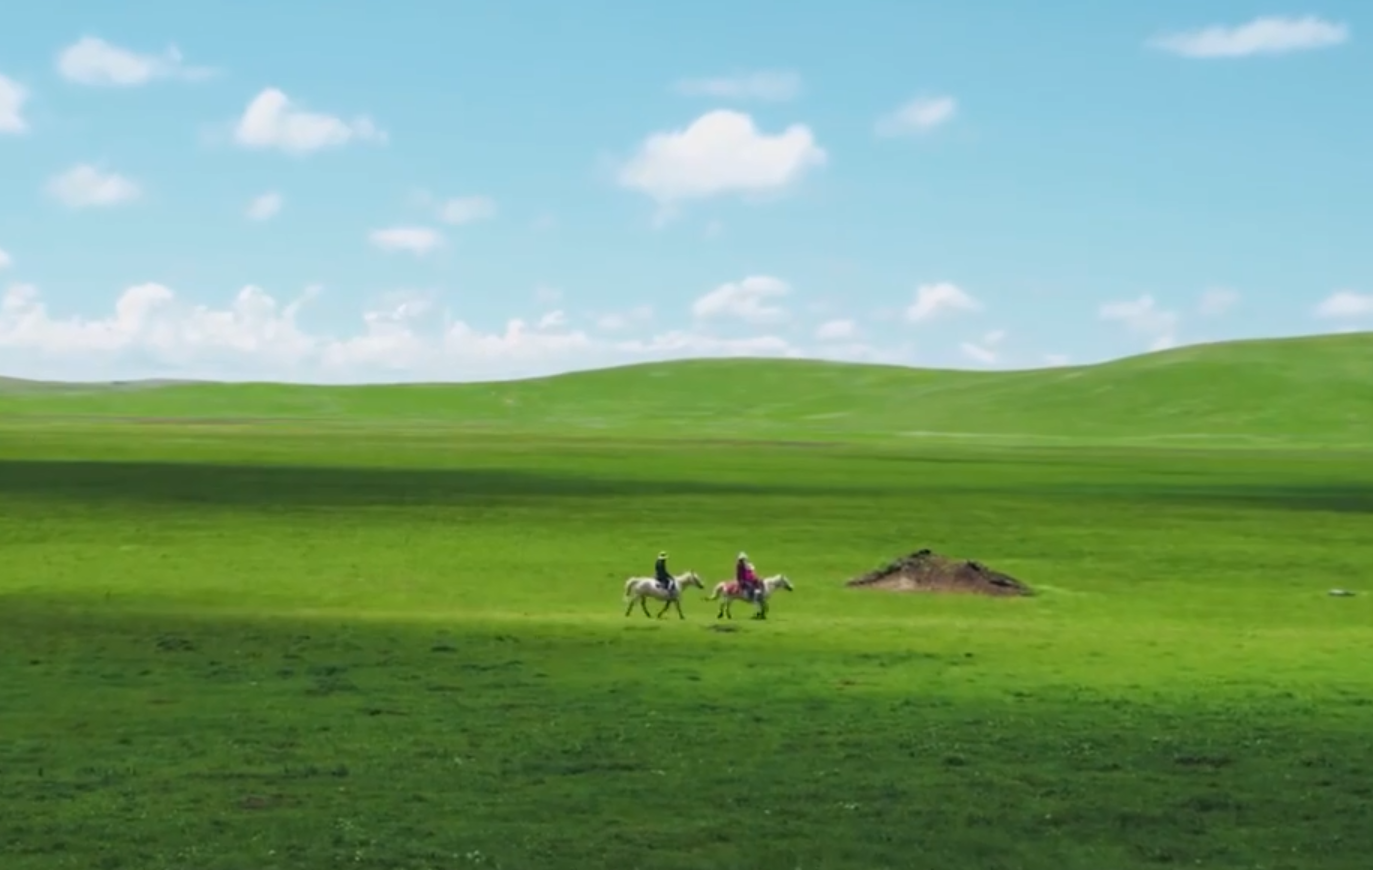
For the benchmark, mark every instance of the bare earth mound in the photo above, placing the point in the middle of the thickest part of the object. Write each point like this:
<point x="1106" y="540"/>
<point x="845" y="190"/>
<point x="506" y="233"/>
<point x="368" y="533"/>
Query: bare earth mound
<point x="925" y="571"/>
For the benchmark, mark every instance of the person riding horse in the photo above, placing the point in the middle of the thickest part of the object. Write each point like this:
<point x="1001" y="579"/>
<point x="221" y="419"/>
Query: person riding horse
<point x="660" y="572"/>
<point x="747" y="577"/>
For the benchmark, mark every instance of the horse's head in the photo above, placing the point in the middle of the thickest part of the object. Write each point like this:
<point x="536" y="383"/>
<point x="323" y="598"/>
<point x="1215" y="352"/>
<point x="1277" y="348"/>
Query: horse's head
<point x="690" y="578"/>
<point x="784" y="583"/>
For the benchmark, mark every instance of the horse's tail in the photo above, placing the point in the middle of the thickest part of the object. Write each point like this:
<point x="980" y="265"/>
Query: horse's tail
<point x="715" y="593"/>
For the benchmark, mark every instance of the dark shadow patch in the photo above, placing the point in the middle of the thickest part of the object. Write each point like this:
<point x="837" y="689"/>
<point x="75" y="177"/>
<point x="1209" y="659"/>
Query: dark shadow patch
<point x="267" y="802"/>
<point x="1207" y="761"/>
<point x="1318" y="497"/>
<point x="483" y="667"/>
<point x="1330" y="498"/>
<point x="327" y="486"/>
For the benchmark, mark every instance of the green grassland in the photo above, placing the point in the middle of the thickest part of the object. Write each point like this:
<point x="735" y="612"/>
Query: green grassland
<point x="283" y="627"/>
<point x="1308" y="391"/>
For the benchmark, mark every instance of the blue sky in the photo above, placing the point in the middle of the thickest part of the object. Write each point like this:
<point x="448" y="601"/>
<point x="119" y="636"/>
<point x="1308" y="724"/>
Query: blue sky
<point x="468" y="191"/>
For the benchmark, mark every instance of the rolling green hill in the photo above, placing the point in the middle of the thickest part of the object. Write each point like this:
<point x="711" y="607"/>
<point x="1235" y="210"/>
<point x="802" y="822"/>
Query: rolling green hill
<point x="1310" y="390"/>
<point x="365" y="635"/>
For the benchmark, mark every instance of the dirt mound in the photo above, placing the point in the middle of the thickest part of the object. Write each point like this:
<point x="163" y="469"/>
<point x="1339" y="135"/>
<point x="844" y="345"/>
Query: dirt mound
<point x="926" y="571"/>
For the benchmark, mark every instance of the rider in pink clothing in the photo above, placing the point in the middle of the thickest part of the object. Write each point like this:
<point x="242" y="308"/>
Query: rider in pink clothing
<point x="746" y="577"/>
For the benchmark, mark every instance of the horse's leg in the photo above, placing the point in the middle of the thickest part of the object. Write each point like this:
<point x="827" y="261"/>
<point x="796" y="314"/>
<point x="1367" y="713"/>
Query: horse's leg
<point x="632" y="599"/>
<point x="643" y="604"/>
<point x="678" y="603"/>
<point x="666" y="605"/>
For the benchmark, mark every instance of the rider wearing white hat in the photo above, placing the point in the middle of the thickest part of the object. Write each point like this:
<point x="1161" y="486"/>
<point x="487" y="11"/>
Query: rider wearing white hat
<point x="660" y="572"/>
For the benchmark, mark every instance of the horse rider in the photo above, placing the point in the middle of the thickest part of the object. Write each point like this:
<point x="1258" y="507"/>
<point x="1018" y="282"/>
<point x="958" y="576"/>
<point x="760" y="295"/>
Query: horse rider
<point x="660" y="572"/>
<point x="746" y="577"/>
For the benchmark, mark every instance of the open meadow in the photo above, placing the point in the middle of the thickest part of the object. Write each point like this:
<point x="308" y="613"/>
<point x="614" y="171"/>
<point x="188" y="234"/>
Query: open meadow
<point x="277" y="627"/>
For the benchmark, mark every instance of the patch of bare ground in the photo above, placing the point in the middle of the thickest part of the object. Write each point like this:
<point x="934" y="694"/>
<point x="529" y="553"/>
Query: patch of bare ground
<point x="927" y="571"/>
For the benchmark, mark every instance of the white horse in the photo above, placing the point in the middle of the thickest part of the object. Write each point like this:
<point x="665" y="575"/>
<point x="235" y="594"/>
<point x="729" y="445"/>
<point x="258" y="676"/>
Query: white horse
<point x="732" y="593"/>
<point x="641" y="588"/>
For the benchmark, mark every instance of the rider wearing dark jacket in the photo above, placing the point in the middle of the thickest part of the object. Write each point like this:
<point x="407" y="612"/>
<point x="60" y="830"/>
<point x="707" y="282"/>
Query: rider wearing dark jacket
<point x="660" y="572"/>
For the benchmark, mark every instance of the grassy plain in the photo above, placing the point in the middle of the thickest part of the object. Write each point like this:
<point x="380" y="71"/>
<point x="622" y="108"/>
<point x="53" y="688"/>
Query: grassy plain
<point x="387" y="641"/>
<point x="1307" y="391"/>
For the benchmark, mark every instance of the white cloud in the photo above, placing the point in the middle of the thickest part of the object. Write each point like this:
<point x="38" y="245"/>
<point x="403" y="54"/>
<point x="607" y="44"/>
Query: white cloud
<point x="617" y="320"/>
<point x="917" y="116"/>
<point x="1056" y="359"/>
<point x="12" y="98"/>
<point x="984" y="351"/>
<point x="936" y="300"/>
<point x="517" y="343"/>
<point x="468" y="209"/>
<point x="679" y="343"/>
<point x="978" y="353"/>
<point x="1144" y="317"/>
<point x="836" y="330"/>
<point x="93" y="61"/>
<point x="85" y="186"/>
<point x="271" y="120"/>
<point x="766" y="85"/>
<point x="745" y="300"/>
<point x="1345" y="305"/>
<point x="153" y="332"/>
<point x="721" y="152"/>
<point x="265" y="206"/>
<point x="5" y="259"/>
<point x="1268" y="35"/>
<point x="553" y="320"/>
<point x="415" y="240"/>
<point x="150" y="322"/>
<point x="1216" y="301"/>
<point x="547" y="295"/>
<point x="406" y="304"/>
<point x="858" y="352"/>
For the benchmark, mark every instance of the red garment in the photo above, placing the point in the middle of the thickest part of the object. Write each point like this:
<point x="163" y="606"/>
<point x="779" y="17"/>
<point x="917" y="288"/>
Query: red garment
<point x="744" y="574"/>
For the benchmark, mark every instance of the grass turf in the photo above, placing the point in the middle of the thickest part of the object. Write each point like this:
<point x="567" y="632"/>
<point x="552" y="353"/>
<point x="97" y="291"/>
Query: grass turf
<point x="1289" y="392"/>
<point x="404" y="647"/>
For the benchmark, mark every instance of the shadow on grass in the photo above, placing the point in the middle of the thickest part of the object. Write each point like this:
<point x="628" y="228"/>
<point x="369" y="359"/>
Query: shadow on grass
<point x="262" y="486"/>
<point x="1356" y="499"/>
<point x="229" y="738"/>
<point x="1297" y="482"/>
<point x="323" y="486"/>
<point x="1343" y="498"/>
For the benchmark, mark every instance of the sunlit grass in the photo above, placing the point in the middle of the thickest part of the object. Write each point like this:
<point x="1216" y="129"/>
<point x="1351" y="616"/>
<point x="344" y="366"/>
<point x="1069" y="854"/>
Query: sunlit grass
<point x="405" y="647"/>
